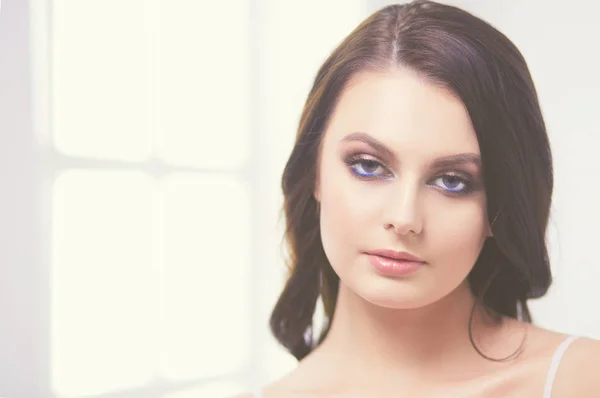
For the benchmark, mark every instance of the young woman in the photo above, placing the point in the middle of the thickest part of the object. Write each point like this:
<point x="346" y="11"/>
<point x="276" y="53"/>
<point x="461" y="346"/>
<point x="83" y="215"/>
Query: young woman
<point x="417" y="198"/>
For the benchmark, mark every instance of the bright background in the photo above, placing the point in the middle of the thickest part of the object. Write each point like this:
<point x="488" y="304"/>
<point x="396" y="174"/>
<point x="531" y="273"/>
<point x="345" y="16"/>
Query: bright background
<point x="142" y="143"/>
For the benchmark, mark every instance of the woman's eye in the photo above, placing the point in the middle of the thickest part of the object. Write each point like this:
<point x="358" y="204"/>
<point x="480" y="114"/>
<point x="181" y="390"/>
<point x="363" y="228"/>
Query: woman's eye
<point x="452" y="183"/>
<point x="367" y="168"/>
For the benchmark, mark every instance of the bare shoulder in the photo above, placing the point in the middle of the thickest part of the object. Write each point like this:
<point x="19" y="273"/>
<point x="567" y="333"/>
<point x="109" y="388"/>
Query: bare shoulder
<point x="579" y="372"/>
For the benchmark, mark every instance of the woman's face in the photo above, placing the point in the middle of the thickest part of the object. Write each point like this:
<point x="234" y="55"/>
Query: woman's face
<point x="399" y="170"/>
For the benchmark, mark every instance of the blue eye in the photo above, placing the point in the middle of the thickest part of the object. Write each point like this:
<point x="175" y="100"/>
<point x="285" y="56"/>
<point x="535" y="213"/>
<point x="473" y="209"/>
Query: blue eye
<point x="452" y="183"/>
<point x="368" y="168"/>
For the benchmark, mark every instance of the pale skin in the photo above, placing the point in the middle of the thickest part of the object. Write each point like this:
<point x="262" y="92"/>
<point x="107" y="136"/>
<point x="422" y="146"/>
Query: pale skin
<point x="398" y="170"/>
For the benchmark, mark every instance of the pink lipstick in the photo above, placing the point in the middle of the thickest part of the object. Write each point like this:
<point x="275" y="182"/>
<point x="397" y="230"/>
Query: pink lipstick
<point x="394" y="263"/>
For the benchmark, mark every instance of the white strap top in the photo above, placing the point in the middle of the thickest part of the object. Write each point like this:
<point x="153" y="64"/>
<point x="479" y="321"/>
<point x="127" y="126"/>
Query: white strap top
<point x="554" y="364"/>
<point x="558" y="355"/>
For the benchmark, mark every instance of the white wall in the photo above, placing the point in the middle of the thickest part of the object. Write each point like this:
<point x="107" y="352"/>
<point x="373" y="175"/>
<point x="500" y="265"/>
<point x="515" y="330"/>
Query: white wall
<point x="23" y="287"/>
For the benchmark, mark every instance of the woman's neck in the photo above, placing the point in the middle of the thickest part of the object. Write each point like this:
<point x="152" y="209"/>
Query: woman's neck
<point x="368" y="339"/>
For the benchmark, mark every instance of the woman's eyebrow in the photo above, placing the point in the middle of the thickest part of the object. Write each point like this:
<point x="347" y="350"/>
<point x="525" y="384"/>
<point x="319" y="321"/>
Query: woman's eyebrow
<point x="372" y="142"/>
<point x="441" y="162"/>
<point x="457" y="160"/>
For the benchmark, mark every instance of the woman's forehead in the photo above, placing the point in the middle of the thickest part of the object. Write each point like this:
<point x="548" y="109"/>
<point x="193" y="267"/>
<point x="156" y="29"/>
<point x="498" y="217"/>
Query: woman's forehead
<point x="403" y="111"/>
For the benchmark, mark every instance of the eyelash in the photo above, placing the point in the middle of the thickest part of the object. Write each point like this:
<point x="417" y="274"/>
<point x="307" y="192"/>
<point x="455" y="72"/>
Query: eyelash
<point x="357" y="159"/>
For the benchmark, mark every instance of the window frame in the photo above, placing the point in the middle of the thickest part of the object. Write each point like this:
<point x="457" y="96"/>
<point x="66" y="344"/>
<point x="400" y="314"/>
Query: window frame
<point x="30" y="27"/>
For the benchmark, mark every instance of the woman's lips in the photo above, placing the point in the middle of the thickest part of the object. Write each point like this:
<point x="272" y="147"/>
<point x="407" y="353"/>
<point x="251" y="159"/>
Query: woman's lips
<point x="393" y="263"/>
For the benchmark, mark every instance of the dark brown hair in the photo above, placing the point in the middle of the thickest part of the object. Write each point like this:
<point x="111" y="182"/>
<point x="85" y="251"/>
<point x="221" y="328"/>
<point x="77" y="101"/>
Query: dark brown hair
<point x="455" y="50"/>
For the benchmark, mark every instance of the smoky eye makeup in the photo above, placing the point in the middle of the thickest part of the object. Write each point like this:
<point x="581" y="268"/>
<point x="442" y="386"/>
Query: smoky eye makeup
<point x="453" y="182"/>
<point x="454" y="175"/>
<point x="367" y="167"/>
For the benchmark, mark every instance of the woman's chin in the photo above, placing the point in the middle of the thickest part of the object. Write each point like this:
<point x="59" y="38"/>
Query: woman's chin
<point x="399" y="295"/>
<point x="395" y="297"/>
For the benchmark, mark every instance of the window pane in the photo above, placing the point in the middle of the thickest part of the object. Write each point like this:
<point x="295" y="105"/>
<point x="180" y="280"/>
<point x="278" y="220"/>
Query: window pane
<point x="205" y="276"/>
<point x="100" y="76"/>
<point x="103" y="282"/>
<point x="204" y="82"/>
